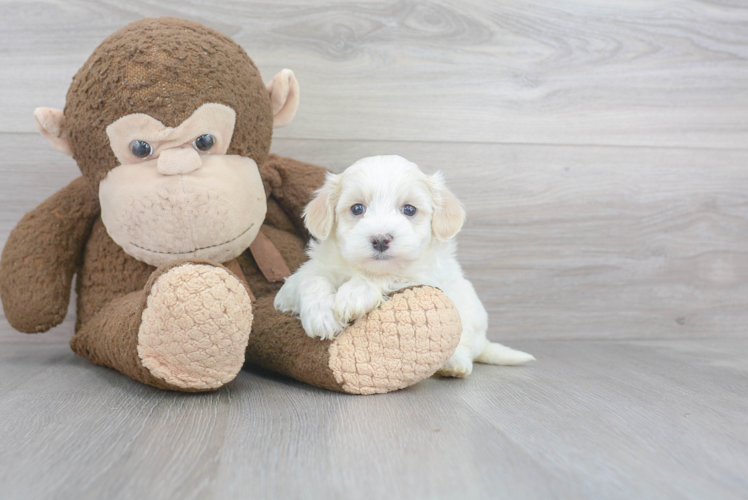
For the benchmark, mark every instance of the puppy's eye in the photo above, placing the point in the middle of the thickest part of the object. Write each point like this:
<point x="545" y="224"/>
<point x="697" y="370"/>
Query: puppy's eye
<point x="408" y="210"/>
<point x="204" y="142"/>
<point x="141" y="149"/>
<point x="358" y="209"/>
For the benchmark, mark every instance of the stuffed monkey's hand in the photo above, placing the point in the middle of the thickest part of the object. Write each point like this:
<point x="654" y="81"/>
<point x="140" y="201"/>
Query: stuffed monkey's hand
<point x="42" y="255"/>
<point x="356" y="298"/>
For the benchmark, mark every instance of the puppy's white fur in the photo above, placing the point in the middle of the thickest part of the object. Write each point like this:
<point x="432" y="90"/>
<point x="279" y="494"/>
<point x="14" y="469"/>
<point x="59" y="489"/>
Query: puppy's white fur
<point x="347" y="276"/>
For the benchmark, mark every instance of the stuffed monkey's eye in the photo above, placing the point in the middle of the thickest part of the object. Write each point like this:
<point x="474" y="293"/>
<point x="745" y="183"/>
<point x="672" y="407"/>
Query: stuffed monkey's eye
<point x="141" y="149"/>
<point x="358" y="209"/>
<point x="204" y="142"/>
<point x="408" y="210"/>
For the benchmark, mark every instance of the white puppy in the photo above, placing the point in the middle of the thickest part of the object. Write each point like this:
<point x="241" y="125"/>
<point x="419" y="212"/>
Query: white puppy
<point x="380" y="226"/>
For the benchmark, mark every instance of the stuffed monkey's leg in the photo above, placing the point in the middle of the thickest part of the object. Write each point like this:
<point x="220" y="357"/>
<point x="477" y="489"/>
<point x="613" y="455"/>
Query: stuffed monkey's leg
<point x="403" y="341"/>
<point x="186" y="331"/>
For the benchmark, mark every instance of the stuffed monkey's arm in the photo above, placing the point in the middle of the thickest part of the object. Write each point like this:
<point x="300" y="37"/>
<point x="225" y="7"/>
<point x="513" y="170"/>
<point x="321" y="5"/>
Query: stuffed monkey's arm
<point x="291" y="184"/>
<point x="41" y="255"/>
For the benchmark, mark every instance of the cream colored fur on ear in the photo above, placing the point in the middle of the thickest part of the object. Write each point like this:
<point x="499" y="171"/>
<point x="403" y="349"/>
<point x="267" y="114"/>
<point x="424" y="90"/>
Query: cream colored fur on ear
<point x="284" y="97"/>
<point x="449" y="215"/>
<point x="319" y="214"/>
<point x="51" y="123"/>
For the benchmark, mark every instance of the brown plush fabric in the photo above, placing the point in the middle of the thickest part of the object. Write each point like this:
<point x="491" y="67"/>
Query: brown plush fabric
<point x="41" y="256"/>
<point x="396" y="345"/>
<point x="278" y="343"/>
<point x="268" y="258"/>
<point x="167" y="68"/>
<point x="236" y="270"/>
<point x="111" y="288"/>
<point x="106" y="273"/>
<point x="277" y="218"/>
<point x="291" y="248"/>
<point x="291" y="184"/>
<point x="110" y="338"/>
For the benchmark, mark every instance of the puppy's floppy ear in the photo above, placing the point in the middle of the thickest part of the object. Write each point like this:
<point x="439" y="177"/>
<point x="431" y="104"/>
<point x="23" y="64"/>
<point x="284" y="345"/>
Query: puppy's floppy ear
<point x="319" y="214"/>
<point x="449" y="216"/>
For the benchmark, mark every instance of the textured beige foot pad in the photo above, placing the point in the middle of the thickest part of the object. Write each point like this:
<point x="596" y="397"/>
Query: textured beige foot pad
<point x="402" y="342"/>
<point x="196" y="326"/>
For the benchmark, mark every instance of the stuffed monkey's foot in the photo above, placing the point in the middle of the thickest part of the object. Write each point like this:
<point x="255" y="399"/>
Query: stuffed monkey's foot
<point x="195" y="327"/>
<point x="400" y="343"/>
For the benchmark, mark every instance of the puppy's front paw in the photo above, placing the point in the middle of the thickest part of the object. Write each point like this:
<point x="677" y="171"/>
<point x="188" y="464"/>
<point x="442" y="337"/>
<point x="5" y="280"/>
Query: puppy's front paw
<point x="354" y="300"/>
<point x="285" y="299"/>
<point x="319" y="320"/>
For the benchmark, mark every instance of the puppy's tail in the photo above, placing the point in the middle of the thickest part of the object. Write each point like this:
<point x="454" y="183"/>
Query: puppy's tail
<point x="497" y="354"/>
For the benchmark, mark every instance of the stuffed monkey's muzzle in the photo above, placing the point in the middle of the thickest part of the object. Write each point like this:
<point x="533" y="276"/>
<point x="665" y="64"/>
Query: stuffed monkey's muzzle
<point x="177" y="161"/>
<point x="211" y="208"/>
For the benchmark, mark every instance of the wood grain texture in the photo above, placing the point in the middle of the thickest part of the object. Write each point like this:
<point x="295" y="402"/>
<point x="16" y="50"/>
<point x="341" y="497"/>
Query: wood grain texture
<point x="666" y="73"/>
<point x="560" y="242"/>
<point x="600" y="150"/>
<point x="589" y="420"/>
<point x="590" y="242"/>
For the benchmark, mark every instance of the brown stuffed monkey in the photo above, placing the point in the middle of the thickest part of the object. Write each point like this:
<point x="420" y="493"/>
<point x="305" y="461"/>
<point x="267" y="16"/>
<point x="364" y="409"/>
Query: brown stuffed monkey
<point x="182" y="228"/>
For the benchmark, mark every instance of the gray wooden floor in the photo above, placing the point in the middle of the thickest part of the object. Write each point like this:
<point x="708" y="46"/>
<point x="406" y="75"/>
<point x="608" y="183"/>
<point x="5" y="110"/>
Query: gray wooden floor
<point x="595" y="419"/>
<point x="601" y="150"/>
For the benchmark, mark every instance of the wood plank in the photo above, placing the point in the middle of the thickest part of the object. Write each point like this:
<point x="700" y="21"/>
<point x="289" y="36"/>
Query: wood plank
<point x="560" y="242"/>
<point x="667" y="73"/>
<point x="589" y="420"/>
<point x="590" y="242"/>
<point x="628" y="419"/>
<point x="566" y="239"/>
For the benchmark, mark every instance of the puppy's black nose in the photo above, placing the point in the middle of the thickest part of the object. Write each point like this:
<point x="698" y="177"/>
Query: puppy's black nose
<point x="381" y="242"/>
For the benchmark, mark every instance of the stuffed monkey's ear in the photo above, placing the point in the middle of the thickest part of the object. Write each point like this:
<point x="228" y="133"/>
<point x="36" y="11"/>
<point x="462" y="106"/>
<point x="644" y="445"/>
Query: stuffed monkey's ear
<point x="319" y="214"/>
<point x="449" y="216"/>
<point x="51" y="123"/>
<point x="284" y="97"/>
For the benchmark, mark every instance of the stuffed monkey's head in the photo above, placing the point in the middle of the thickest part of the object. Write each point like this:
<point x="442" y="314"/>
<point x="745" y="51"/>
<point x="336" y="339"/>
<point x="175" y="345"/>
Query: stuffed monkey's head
<point x="168" y="120"/>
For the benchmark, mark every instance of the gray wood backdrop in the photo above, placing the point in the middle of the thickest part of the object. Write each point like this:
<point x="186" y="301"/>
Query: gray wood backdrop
<point x="600" y="147"/>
